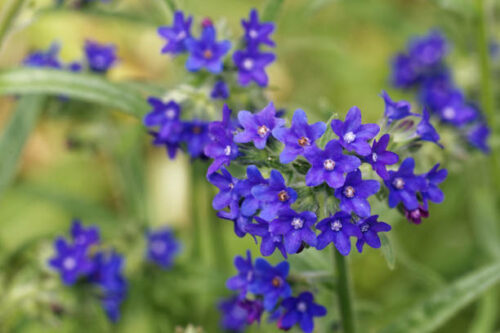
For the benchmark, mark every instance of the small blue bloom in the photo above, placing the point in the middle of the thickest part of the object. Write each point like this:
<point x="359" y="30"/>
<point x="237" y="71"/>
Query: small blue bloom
<point x="425" y="129"/>
<point x="220" y="90"/>
<point x="195" y="134"/>
<point x="436" y="90"/>
<point x="429" y="50"/>
<point x="337" y="229"/>
<point x="237" y="313"/>
<point x="171" y="145"/>
<point x="84" y="237"/>
<point x="162" y="247"/>
<point x="405" y="73"/>
<point x="270" y="282"/>
<point x="353" y="135"/>
<point x="329" y="165"/>
<point x="432" y="191"/>
<point x="177" y="34"/>
<point x="166" y="117"/>
<point x="380" y="156"/>
<point x="270" y="242"/>
<point x="258" y="127"/>
<point x="251" y="64"/>
<point x="395" y="110"/>
<point x="206" y="52"/>
<point x="370" y="228"/>
<point x="353" y="195"/>
<point x="100" y="57"/>
<point x="478" y="137"/>
<point x="245" y="276"/>
<point x="250" y="203"/>
<point x="299" y="137"/>
<point x="257" y="33"/>
<point x="71" y="261"/>
<point x="457" y="111"/>
<point x="227" y="196"/>
<point x="48" y="58"/>
<point x="403" y="185"/>
<point x="301" y="310"/>
<point x="295" y="228"/>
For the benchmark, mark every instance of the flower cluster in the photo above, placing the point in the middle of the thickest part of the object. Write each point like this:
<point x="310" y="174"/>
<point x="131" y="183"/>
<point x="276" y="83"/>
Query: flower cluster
<point x="80" y="259"/>
<point x="325" y="173"/>
<point x="162" y="247"/>
<point x="263" y="288"/>
<point x="422" y="67"/>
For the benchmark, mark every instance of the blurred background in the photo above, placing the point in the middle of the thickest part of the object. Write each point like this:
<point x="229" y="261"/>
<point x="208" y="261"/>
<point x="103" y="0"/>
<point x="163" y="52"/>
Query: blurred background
<point x="100" y="166"/>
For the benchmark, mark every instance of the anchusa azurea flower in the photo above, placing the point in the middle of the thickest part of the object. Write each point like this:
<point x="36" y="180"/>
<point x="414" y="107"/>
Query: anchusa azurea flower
<point x="264" y="288"/>
<point x="100" y="57"/>
<point x="162" y="247"/>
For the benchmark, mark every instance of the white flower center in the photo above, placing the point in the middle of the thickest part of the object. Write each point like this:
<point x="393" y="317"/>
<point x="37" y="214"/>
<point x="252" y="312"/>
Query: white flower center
<point x="329" y="164"/>
<point x="297" y="223"/>
<point x="302" y="307"/>
<point x="181" y="35"/>
<point x="349" y="191"/>
<point x="399" y="183"/>
<point x="248" y="64"/>
<point x="158" y="247"/>
<point x="227" y="150"/>
<point x="336" y="225"/>
<point x="253" y="34"/>
<point x="99" y="60"/>
<point x="170" y="113"/>
<point x="231" y="186"/>
<point x="69" y="263"/>
<point x="449" y="113"/>
<point x="365" y="227"/>
<point x="349" y="137"/>
<point x="374" y="157"/>
<point x="262" y="131"/>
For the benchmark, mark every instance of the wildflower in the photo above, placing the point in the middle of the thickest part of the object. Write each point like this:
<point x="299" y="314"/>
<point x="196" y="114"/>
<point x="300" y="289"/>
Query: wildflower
<point x="250" y="203"/>
<point x="299" y="138"/>
<point x="245" y="276"/>
<point x="478" y="135"/>
<point x="353" y="135"/>
<point x="195" y="134"/>
<point x="48" y="58"/>
<point x="436" y="90"/>
<point x="428" y="51"/>
<point x="456" y="111"/>
<point x="337" y="229"/>
<point x="258" y="127"/>
<point x="251" y="65"/>
<point x="226" y="183"/>
<point x="432" y="191"/>
<point x="380" y="157"/>
<point x="162" y="247"/>
<point x="370" y="228"/>
<point x="206" y="52"/>
<point x="236" y="313"/>
<point x="71" y="261"/>
<point x="171" y="144"/>
<point x="329" y="165"/>
<point x="177" y="34"/>
<point x="270" y="282"/>
<point x="295" y="228"/>
<point x="425" y="129"/>
<point x="301" y="310"/>
<point x="270" y="242"/>
<point x="166" y="117"/>
<point x="82" y="236"/>
<point x="403" y="185"/>
<point x="220" y="90"/>
<point x="100" y="57"/>
<point x="354" y="192"/>
<point x="404" y="71"/>
<point x="415" y="216"/>
<point x="257" y="33"/>
<point x="395" y="110"/>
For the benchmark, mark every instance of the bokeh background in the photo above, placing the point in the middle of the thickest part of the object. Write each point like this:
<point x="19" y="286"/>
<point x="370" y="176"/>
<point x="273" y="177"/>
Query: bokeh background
<point x="100" y="166"/>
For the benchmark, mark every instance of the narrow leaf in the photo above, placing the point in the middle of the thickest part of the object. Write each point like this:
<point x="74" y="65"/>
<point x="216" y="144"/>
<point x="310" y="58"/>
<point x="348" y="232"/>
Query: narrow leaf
<point x="441" y="306"/>
<point x="387" y="251"/>
<point x="272" y="10"/>
<point x="8" y="14"/>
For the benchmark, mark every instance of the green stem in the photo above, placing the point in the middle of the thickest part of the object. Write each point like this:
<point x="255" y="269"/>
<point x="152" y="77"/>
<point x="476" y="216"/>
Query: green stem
<point x="197" y="213"/>
<point x="344" y="293"/>
<point x="8" y="14"/>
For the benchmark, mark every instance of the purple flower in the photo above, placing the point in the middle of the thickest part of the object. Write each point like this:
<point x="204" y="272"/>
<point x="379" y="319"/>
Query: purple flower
<point x="456" y="111"/>
<point x="436" y="91"/>
<point x="337" y="229"/>
<point x="299" y="138"/>
<point x="206" y="52"/>
<point x="251" y="66"/>
<point x="403" y="185"/>
<point x="274" y="196"/>
<point x="221" y="148"/>
<point x="100" y="57"/>
<point x="415" y="216"/>
<point x="227" y="196"/>
<point x="395" y="110"/>
<point x="370" y="228"/>
<point x="428" y="51"/>
<point x="48" y="58"/>
<point x="257" y="33"/>
<point x="270" y="282"/>
<point x="250" y="203"/>
<point x="177" y="34"/>
<point x="426" y="130"/>
<point x="257" y="127"/>
<point x="84" y="237"/>
<point x="380" y="156"/>
<point x="71" y="261"/>
<point x="220" y="90"/>
<point x="162" y="247"/>
<point x="354" y="193"/>
<point x="195" y="134"/>
<point x="236" y="313"/>
<point x="301" y="310"/>
<point x="166" y="117"/>
<point x="171" y="144"/>
<point x="270" y="242"/>
<point x="353" y="135"/>
<point x="432" y="191"/>
<point x="295" y="228"/>
<point x="478" y="137"/>
<point x="245" y="276"/>
<point x="404" y="71"/>
<point x="329" y="165"/>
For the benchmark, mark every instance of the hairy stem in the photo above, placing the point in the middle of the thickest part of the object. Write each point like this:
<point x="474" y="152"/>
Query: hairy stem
<point x="344" y="293"/>
<point x="8" y="14"/>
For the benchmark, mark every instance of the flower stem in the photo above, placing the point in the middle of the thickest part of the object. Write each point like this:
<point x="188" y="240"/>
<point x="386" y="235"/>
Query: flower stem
<point x="344" y="293"/>
<point x="7" y="16"/>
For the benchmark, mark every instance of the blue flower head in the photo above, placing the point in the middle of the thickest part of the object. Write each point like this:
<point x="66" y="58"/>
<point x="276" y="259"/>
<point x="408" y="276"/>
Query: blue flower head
<point x="237" y="313"/>
<point x="337" y="229"/>
<point x="48" y="58"/>
<point x="206" y="52"/>
<point x="380" y="156"/>
<point x="166" y="117"/>
<point x="245" y="276"/>
<point x="428" y="51"/>
<point x="71" y="260"/>
<point x="220" y="90"/>
<point x="403" y="185"/>
<point x="300" y="310"/>
<point x="195" y="134"/>
<point x="354" y="193"/>
<point x="162" y="247"/>
<point x="405" y="73"/>
<point x="177" y="34"/>
<point x="270" y="242"/>
<point x="425" y="129"/>
<point x="370" y="228"/>
<point x="295" y="228"/>
<point x="477" y="137"/>
<point x="250" y="203"/>
<point x="251" y="64"/>
<point x="395" y="110"/>
<point x="84" y="237"/>
<point x="432" y="192"/>
<point x="270" y="282"/>
<point x="457" y="111"/>
<point x="100" y="57"/>
<point x="257" y="33"/>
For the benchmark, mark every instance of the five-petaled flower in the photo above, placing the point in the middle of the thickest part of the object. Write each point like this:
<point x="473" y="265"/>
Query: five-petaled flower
<point x="337" y="229"/>
<point x="100" y="57"/>
<point x="380" y="156"/>
<point x="177" y="34"/>
<point x="270" y="281"/>
<point x="301" y="310"/>
<point x="245" y="276"/>
<point x="354" y="193"/>
<point x="162" y="247"/>
<point x="206" y="52"/>
<point x="257" y="33"/>
<point x="295" y="228"/>
<point x="370" y="228"/>
<point x="395" y="110"/>
<point x="403" y="185"/>
<point x="251" y="64"/>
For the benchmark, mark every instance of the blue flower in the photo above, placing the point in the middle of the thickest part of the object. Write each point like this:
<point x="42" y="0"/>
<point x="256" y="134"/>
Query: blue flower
<point x="380" y="156"/>
<point x="71" y="261"/>
<point x="100" y="57"/>
<point x="245" y="276"/>
<point x="436" y="91"/>
<point x="370" y="228"/>
<point x="478" y="135"/>
<point x="251" y="65"/>
<point x="403" y="185"/>
<point x="166" y="117"/>
<point x="301" y="310"/>
<point x="405" y="73"/>
<point x="432" y="191"/>
<point x="206" y="52"/>
<point x="274" y="196"/>
<point x="354" y="193"/>
<point x="299" y="138"/>
<point x="395" y="110"/>
<point x="171" y="145"/>
<point x="195" y="134"/>
<point x="428" y="51"/>
<point x="329" y="165"/>
<point x="177" y="34"/>
<point x="258" y="127"/>
<point x="295" y="228"/>
<point x="250" y="203"/>
<point x="227" y="196"/>
<point x="270" y="282"/>
<point x="162" y="247"/>
<point x="270" y="242"/>
<point x="415" y="216"/>
<point x="220" y="90"/>
<point x="257" y="33"/>
<point x="425" y="129"/>
<point x="84" y="237"/>
<point x="237" y="313"/>
<point x="353" y="135"/>
<point x="337" y="229"/>
<point x="457" y="111"/>
<point x="48" y="58"/>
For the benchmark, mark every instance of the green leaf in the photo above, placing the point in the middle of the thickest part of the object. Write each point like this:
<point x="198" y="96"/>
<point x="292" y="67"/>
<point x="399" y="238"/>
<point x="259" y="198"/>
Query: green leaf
<point x="10" y="10"/>
<point x="442" y="305"/>
<point x="86" y="87"/>
<point x="271" y="11"/>
<point x="487" y="313"/>
<point x="15" y="135"/>
<point x="387" y="251"/>
<point x="484" y="220"/>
